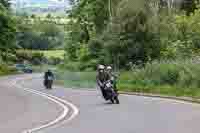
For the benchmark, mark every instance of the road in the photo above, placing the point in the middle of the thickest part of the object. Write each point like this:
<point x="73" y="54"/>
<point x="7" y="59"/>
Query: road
<point x="21" y="110"/>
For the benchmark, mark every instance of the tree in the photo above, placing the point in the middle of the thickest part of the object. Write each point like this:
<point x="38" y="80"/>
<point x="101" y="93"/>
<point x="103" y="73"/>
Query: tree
<point x="5" y="3"/>
<point x="48" y="16"/>
<point x="122" y="31"/>
<point x="189" y="6"/>
<point x="132" y="36"/>
<point x="39" y="35"/>
<point x="33" y="16"/>
<point x="88" y="19"/>
<point x="7" y="30"/>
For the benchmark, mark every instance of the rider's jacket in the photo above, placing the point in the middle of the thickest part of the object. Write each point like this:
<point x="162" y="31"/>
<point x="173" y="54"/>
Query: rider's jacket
<point x="102" y="78"/>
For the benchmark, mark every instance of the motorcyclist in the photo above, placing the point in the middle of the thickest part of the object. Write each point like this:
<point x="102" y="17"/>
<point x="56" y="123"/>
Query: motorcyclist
<point x="112" y="77"/>
<point x="101" y="79"/>
<point x="48" y="74"/>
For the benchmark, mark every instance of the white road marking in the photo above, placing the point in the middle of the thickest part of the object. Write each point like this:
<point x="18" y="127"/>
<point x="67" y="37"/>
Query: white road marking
<point x="59" y="101"/>
<point x="163" y="99"/>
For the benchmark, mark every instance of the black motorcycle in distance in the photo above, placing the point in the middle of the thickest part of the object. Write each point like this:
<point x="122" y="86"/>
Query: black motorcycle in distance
<point x="48" y="82"/>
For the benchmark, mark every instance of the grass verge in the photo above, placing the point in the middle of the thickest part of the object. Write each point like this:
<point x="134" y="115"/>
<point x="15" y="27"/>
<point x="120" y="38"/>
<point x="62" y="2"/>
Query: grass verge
<point x="179" y="78"/>
<point x="76" y="79"/>
<point x="5" y="70"/>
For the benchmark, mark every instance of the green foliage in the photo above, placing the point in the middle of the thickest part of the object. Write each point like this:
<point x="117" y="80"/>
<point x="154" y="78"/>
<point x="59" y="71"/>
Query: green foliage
<point x="72" y="51"/>
<point x="4" y="69"/>
<point x="48" y="15"/>
<point x="130" y="36"/>
<point x="177" y="78"/>
<point x="180" y="35"/>
<point x="131" y="32"/>
<point x="88" y="19"/>
<point x="95" y="48"/>
<point x="72" y="66"/>
<point x="189" y="6"/>
<point x="5" y="3"/>
<point x="53" y="53"/>
<point x="54" y="60"/>
<point x="180" y="74"/>
<point x="127" y="38"/>
<point x="35" y="58"/>
<point x="39" y="35"/>
<point x="7" y="30"/>
<point x="92" y="14"/>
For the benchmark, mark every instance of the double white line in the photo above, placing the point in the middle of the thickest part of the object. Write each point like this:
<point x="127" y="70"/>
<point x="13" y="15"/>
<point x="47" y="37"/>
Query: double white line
<point x="62" y="103"/>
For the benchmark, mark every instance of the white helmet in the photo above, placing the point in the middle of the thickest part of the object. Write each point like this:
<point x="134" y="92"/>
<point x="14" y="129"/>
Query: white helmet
<point x="101" y="67"/>
<point x="108" y="68"/>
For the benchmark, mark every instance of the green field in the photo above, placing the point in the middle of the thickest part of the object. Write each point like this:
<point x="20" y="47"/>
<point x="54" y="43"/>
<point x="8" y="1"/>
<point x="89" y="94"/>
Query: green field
<point x="48" y="53"/>
<point x="53" y="53"/>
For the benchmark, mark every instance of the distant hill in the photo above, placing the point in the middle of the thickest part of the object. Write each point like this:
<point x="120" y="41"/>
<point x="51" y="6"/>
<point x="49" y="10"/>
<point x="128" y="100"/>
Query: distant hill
<point x="40" y="6"/>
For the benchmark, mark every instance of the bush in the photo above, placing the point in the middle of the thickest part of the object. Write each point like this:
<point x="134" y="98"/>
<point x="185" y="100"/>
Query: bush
<point x="95" y="48"/>
<point x="89" y="65"/>
<point x="23" y="55"/>
<point x="35" y="58"/>
<point x="12" y="58"/>
<point x="179" y="35"/>
<point x="54" y="60"/>
<point x="72" y="66"/>
<point x="4" y="69"/>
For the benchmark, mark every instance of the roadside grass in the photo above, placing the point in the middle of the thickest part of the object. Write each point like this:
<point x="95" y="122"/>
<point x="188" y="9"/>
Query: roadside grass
<point x="176" y="78"/>
<point x="173" y="78"/>
<point x="76" y="79"/>
<point x="5" y="70"/>
<point x="163" y="90"/>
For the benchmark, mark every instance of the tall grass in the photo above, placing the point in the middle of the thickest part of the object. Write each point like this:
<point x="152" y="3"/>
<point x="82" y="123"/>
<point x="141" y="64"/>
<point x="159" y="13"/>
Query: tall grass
<point x="179" y="77"/>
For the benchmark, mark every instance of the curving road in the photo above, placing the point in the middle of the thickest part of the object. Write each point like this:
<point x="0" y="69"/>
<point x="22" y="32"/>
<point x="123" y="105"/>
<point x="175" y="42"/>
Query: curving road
<point x="21" y="110"/>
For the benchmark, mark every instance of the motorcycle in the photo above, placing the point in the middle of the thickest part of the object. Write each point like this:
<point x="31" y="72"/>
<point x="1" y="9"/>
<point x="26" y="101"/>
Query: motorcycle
<point x="110" y="92"/>
<point x="48" y="82"/>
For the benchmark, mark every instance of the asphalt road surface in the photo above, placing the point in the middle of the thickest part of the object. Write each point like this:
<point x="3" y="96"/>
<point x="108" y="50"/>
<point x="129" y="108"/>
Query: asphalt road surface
<point x="21" y="110"/>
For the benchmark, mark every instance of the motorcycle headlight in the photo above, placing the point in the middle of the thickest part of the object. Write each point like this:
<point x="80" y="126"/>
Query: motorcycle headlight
<point x="108" y="85"/>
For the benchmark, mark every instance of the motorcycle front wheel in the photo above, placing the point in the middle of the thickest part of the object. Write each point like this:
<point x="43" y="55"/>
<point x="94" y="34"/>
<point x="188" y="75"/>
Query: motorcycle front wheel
<point x="112" y="101"/>
<point x="117" y="100"/>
